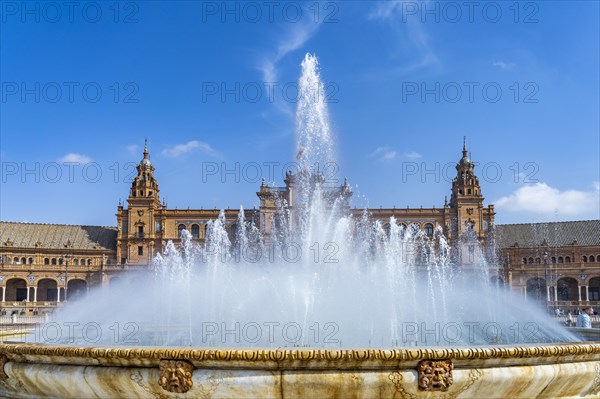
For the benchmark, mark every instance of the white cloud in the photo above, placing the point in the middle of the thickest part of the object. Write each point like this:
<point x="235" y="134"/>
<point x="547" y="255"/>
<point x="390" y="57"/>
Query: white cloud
<point x="74" y="157"/>
<point x="503" y="65"/>
<point x="411" y="155"/>
<point x="293" y="39"/>
<point x="541" y="199"/>
<point x="411" y="28"/>
<point x="385" y="10"/>
<point x="384" y="153"/>
<point x="180" y="150"/>
<point x="133" y="149"/>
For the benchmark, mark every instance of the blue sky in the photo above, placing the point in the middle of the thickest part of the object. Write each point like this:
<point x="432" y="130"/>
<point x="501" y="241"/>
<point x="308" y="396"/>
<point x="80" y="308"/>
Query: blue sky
<point x="211" y="85"/>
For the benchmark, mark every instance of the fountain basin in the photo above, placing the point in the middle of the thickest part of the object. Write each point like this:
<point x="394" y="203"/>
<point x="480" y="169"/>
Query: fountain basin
<point x="542" y="371"/>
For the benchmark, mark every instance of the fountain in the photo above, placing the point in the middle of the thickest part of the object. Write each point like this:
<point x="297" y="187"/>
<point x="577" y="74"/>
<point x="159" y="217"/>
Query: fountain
<point x="324" y="305"/>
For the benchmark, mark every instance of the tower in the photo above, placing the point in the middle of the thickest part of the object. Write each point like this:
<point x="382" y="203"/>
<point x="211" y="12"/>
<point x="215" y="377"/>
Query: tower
<point x="466" y="200"/>
<point x="138" y="225"/>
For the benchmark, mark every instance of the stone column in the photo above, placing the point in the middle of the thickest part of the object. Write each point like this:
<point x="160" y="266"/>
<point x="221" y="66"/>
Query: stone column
<point x="28" y="289"/>
<point x="547" y="293"/>
<point x="587" y="293"/>
<point x="555" y="293"/>
<point x="579" y="292"/>
<point x="3" y="294"/>
<point x="35" y="294"/>
<point x="58" y="294"/>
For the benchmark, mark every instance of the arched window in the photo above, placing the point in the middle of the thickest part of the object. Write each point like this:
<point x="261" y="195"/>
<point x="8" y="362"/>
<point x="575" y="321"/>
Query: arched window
<point x="75" y="262"/>
<point x="30" y="261"/>
<point x="568" y="259"/>
<point x="61" y="261"/>
<point x="429" y="230"/>
<point x="387" y="228"/>
<point x="16" y="260"/>
<point x="567" y="289"/>
<point x="180" y="228"/>
<point x="54" y="261"/>
<point x="584" y="258"/>
<point x="537" y="260"/>
<point x="89" y="262"/>
<point x="530" y="261"/>
<point x="82" y="262"/>
<point x="46" y="261"/>
<point x="554" y="259"/>
<point x="524" y="261"/>
<point x="560" y="259"/>
<point x="24" y="261"/>
<point x="195" y="231"/>
<point x="536" y="289"/>
<point x="592" y="258"/>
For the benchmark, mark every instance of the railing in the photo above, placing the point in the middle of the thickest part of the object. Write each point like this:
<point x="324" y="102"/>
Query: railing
<point x="31" y="304"/>
<point x="114" y="267"/>
<point x="137" y="267"/>
<point x="38" y="267"/>
<point x="563" y="319"/>
<point x="41" y="266"/>
<point x="126" y="267"/>
<point x="573" y="303"/>
<point x="15" y="319"/>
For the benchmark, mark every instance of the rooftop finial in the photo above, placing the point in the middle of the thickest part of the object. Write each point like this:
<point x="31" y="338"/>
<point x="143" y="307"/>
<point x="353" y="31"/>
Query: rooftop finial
<point x="464" y="146"/>
<point x="146" y="148"/>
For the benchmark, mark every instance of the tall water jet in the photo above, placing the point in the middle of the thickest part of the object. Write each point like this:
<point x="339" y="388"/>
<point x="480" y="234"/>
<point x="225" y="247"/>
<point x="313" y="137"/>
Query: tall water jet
<point x="314" y="151"/>
<point x="314" y="143"/>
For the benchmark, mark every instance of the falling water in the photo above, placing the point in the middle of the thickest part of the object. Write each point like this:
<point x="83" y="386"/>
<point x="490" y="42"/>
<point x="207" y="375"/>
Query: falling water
<point x="319" y="278"/>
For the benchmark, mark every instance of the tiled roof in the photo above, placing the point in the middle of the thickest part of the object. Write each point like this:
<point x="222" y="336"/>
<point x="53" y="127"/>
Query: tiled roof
<point x="56" y="236"/>
<point x="555" y="234"/>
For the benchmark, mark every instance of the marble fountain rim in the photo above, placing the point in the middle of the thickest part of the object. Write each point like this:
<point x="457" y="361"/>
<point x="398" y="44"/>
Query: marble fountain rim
<point x="301" y="358"/>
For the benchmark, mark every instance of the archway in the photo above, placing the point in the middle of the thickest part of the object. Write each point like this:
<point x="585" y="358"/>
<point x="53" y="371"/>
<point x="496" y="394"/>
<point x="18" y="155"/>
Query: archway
<point x="594" y="289"/>
<point x="16" y="290"/>
<point x="536" y="289"/>
<point x="566" y="288"/>
<point x="76" y="289"/>
<point x="47" y="290"/>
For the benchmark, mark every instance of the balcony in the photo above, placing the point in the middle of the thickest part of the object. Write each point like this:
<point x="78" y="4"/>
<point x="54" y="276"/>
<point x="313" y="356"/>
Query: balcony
<point x="43" y="267"/>
<point x="574" y="303"/>
<point x="23" y="320"/>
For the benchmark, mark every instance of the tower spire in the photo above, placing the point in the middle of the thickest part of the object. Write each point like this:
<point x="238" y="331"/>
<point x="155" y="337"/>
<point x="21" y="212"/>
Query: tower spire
<point x="464" y="151"/>
<point x="146" y="148"/>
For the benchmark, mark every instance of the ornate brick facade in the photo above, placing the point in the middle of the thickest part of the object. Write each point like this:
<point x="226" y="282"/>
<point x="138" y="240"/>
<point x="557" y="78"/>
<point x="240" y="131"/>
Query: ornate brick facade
<point x="42" y="264"/>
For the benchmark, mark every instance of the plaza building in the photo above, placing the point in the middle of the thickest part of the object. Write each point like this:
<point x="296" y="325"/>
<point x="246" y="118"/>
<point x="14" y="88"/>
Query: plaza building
<point x="43" y="264"/>
<point x="553" y="263"/>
